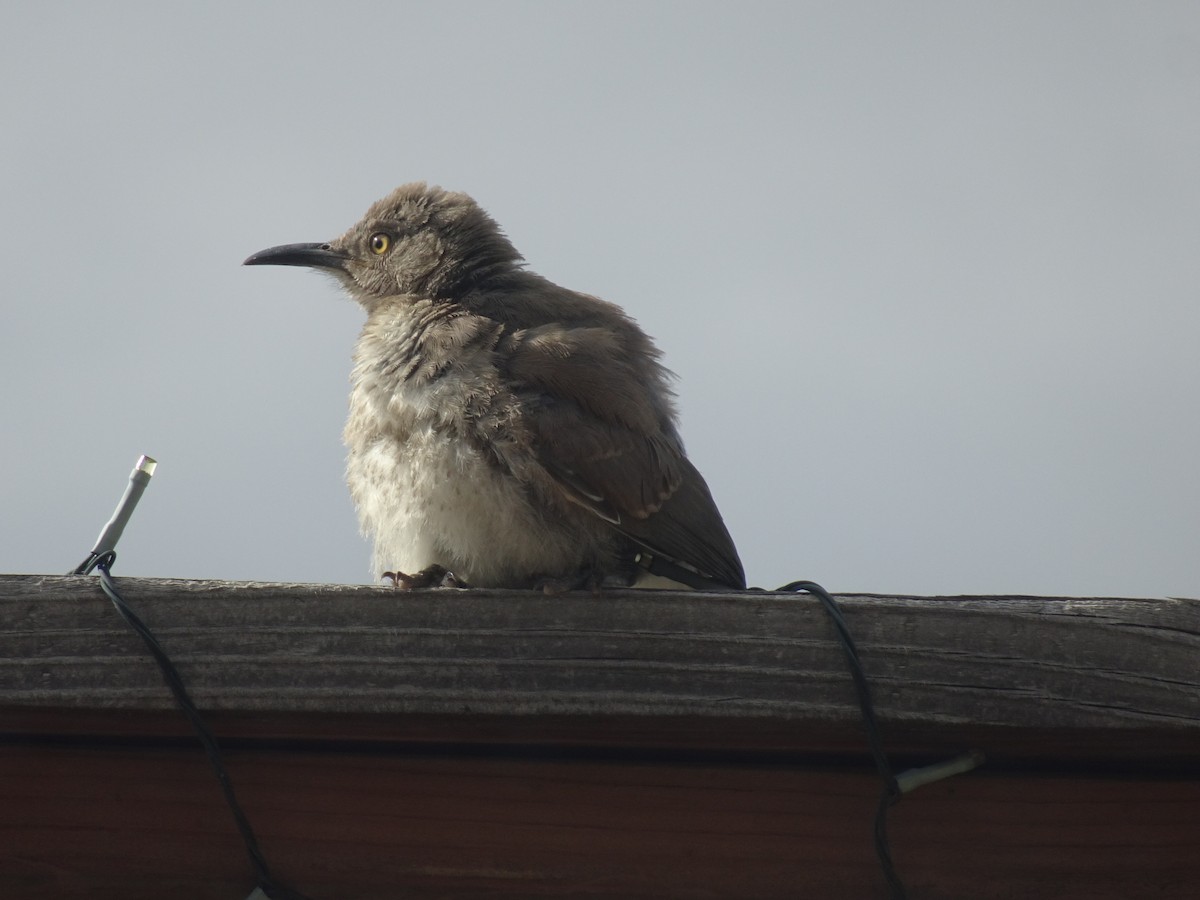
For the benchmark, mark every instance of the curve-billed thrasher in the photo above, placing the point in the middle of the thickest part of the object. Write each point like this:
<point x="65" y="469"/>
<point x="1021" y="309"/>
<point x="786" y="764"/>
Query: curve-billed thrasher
<point x="505" y="431"/>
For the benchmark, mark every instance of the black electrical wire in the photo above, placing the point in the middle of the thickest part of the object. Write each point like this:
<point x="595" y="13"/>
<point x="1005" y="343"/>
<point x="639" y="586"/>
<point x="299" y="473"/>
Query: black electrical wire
<point x="891" y="790"/>
<point x="266" y="882"/>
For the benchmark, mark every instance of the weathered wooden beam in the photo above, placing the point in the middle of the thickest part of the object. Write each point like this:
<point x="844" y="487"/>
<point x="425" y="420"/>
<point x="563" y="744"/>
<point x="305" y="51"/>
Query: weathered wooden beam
<point x="756" y="664"/>
<point x="510" y="744"/>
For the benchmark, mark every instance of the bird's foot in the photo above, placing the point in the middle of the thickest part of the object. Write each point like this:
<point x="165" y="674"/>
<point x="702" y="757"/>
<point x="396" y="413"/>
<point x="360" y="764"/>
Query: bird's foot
<point x="434" y="576"/>
<point x="585" y="580"/>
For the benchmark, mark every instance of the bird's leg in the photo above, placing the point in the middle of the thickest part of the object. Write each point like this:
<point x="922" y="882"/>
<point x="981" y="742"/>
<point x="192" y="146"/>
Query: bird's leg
<point x="434" y="576"/>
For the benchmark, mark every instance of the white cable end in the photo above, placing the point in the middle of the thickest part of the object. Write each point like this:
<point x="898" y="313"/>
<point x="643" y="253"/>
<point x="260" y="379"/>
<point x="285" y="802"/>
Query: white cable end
<point x="915" y="778"/>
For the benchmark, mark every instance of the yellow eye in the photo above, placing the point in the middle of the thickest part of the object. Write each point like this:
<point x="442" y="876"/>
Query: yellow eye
<point x="380" y="243"/>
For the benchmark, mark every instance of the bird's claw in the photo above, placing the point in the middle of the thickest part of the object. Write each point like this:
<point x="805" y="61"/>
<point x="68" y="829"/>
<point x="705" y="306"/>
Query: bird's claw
<point x="434" y="576"/>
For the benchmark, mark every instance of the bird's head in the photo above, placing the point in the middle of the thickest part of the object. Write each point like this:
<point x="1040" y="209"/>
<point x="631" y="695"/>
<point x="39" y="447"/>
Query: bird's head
<point x="418" y="240"/>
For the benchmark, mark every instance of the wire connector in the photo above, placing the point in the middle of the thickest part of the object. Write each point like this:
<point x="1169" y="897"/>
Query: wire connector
<point x="912" y="779"/>
<point x="106" y="543"/>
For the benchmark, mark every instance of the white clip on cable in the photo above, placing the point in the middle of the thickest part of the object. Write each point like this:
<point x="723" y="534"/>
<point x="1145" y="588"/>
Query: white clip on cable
<point x="111" y="532"/>
<point x="915" y="778"/>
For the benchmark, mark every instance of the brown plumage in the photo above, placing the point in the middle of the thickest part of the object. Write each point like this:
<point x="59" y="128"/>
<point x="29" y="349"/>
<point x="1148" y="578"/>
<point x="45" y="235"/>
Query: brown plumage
<point x="501" y="427"/>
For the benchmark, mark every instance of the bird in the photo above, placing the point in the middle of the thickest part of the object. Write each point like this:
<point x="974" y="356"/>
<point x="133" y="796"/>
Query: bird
<point x="504" y="431"/>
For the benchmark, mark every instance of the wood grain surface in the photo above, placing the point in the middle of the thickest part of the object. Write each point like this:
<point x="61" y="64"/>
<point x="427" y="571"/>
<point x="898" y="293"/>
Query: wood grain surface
<point x="507" y="744"/>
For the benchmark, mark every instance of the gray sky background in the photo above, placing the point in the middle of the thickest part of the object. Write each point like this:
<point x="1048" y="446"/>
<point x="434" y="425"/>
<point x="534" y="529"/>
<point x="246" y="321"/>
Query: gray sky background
<point x="929" y="273"/>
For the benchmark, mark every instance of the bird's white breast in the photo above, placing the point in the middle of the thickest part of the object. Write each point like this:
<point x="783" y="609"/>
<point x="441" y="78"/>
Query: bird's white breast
<point x="425" y="495"/>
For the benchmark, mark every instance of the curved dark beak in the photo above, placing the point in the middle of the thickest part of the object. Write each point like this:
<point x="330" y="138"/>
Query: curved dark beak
<point x="318" y="256"/>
